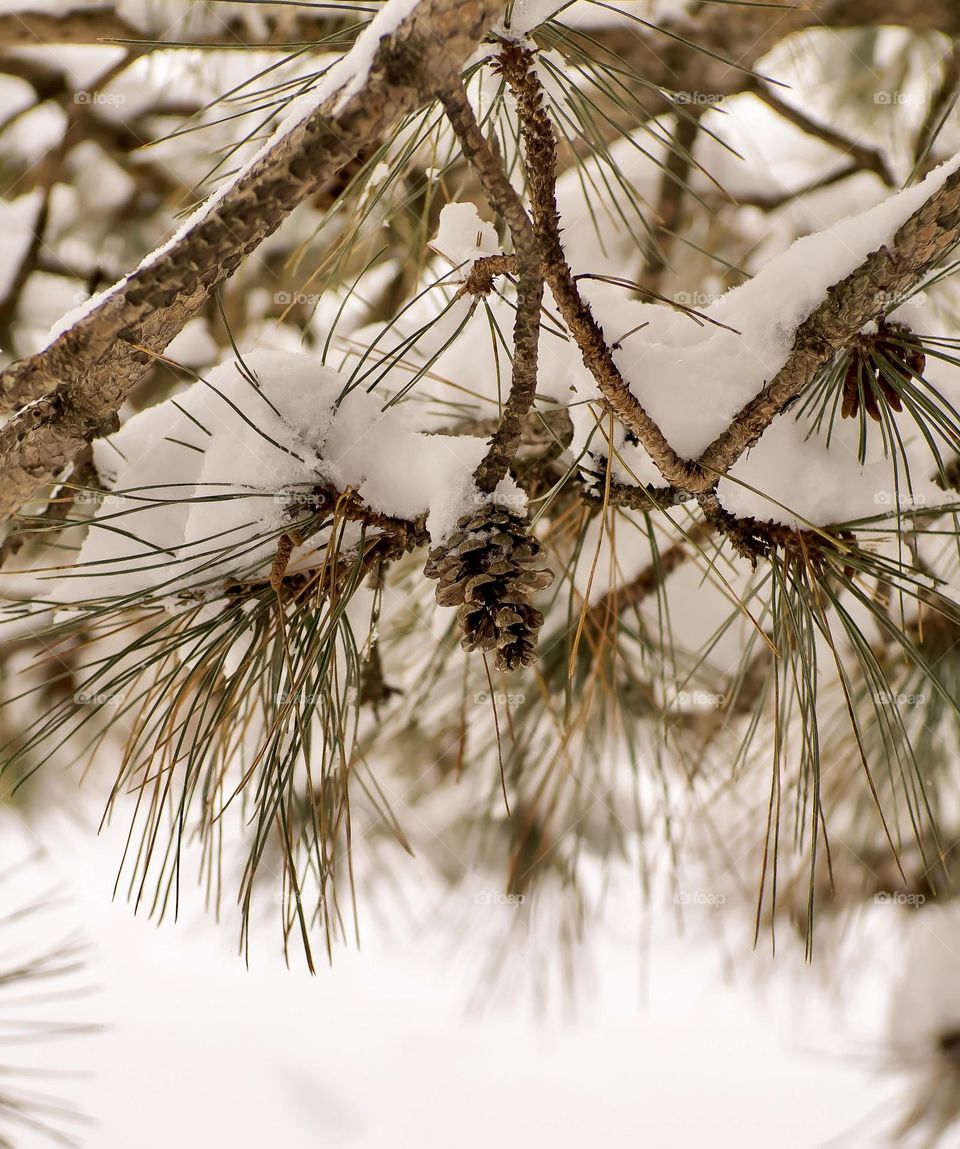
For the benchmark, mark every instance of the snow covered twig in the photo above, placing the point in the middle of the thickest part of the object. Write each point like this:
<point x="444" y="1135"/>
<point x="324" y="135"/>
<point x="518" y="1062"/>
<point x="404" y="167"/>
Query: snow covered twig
<point x="887" y="273"/>
<point x="79" y="381"/>
<point x="576" y="313"/>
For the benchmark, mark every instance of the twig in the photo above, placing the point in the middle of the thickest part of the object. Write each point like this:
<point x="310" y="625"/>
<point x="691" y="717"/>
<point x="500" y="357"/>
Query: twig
<point x="673" y="185"/>
<point x="541" y="171"/>
<point x="484" y="271"/>
<point x="865" y="157"/>
<point x="709" y="50"/>
<point x="886" y="274"/>
<point x="504" y="443"/>
<point x="80" y="381"/>
<point x="575" y="312"/>
<point x="77" y="26"/>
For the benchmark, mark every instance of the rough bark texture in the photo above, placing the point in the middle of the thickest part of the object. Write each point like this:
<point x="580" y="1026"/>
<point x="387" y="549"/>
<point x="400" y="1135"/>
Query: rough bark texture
<point x="925" y="238"/>
<point x="76" y="386"/>
<point x="576" y="313"/>
<point x="87" y="372"/>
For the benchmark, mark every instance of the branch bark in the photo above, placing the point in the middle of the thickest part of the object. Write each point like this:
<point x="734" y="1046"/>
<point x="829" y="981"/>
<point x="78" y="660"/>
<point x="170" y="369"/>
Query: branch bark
<point x="576" y="313"/>
<point x="886" y="274"/>
<point x="81" y="379"/>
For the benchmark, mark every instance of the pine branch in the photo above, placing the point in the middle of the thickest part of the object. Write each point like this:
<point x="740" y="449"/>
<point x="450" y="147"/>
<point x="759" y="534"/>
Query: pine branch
<point x="887" y="273"/>
<point x="541" y="170"/>
<point x="523" y="380"/>
<point x="81" y="379"/>
<point x="865" y="157"/>
<point x="575" y="311"/>
<point x="88" y="25"/>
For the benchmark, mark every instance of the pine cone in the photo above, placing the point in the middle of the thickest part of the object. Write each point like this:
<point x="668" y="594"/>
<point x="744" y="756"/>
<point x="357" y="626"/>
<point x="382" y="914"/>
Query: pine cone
<point x="863" y="378"/>
<point x="490" y="567"/>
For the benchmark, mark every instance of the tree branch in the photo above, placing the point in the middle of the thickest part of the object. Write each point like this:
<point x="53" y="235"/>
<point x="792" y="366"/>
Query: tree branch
<point x="575" y="312"/>
<point x="28" y="29"/>
<point x="865" y="157"/>
<point x="86" y="373"/>
<point x="887" y="273"/>
<point x="541" y="172"/>
<point x="712" y="49"/>
<point x="673" y="188"/>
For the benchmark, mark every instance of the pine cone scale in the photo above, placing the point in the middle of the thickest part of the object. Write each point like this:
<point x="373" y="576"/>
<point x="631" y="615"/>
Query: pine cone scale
<point x="489" y="568"/>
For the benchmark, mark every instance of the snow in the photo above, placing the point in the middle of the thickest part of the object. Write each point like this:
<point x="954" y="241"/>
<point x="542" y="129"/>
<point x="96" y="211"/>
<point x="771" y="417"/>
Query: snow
<point x="194" y="346"/>
<point x="18" y="219"/>
<point x="347" y="77"/>
<point x="586" y="14"/>
<point x="463" y="237"/>
<point x="527" y="15"/>
<point x="197" y="445"/>
<point x="359" y="59"/>
<point x="693" y="379"/>
<point x="201" y="486"/>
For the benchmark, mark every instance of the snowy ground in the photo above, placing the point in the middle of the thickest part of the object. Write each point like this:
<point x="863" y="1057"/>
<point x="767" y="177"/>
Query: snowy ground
<point x="381" y="1049"/>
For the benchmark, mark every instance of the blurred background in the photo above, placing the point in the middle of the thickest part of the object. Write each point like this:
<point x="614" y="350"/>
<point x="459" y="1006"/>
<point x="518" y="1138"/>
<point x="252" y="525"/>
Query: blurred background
<point x="633" y="994"/>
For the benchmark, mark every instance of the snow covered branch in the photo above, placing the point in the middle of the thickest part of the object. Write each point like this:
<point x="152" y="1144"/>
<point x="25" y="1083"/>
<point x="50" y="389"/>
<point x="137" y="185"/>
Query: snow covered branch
<point x="556" y="271"/>
<point x="409" y="52"/>
<point x="887" y="273"/>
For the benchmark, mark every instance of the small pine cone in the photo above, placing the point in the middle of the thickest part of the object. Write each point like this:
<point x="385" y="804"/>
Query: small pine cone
<point x="900" y="344"/>
<point x="490" y="567"/>
<point x="851" y="388"/>
<point x="865" y="380"/>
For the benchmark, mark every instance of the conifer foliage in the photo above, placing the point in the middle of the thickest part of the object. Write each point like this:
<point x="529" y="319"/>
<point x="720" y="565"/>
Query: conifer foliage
<point x="519" y="424"/>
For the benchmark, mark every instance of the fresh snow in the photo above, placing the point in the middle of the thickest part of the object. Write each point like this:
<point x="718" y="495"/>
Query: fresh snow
<point x="347" y="76"/>
<point x="200" y="486"/>
<point x="693" y="378"/>
<point x="18" y="220"/>
<point x="463" y="237"/>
